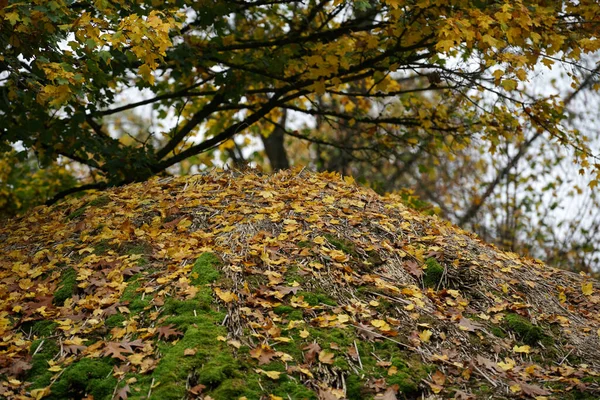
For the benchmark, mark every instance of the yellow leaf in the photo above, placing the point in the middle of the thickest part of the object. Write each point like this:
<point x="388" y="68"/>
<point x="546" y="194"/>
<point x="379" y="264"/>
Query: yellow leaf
<point x="509" y="84"/>
<point x="562" y="297"/>
<point x="522" y="349"/>
<point x="381" y="324"/>
<point x="392" y="371"/>
<point x="587" y="288"/>
<point x="326" y="357"/>
<point x="271" y="374"/>
<point x="37" y="394"/>
<point x="508" y="364"/>
<point x="304" y="334"/>
<point x="226" y="295"/>
<point x="425" y="335"/>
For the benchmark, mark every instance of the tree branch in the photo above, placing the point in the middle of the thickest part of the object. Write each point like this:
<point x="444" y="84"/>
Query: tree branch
<point x="77" y="189"/>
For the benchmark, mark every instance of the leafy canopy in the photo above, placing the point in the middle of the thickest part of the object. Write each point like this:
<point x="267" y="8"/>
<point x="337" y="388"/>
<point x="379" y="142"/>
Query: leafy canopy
<point x="409" y="73"/>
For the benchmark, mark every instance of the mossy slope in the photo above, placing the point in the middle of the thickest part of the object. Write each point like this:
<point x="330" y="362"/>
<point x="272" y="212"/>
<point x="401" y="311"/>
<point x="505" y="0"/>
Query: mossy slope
<point x="293" y="286"/>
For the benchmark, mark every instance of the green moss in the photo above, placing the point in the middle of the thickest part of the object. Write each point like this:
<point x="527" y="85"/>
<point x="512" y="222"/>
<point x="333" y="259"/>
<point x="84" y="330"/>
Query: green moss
<point x="67" y="286"/>
<point x="232" y="389"/>
<point x="102" y="247"/>
<point x="341" y="244"/>
<point x="205" y="269"/>
<point x="354" y="388"/>
<point x="304" y="244"/>
<point x="293" y="275"/>
<point x="131" y="248"/>
<point x="86" y="376"/>
<point x="114" y="320"/>
<point x="316" y="298"/>
<point x="77" y="213"/>
<point x="136" y="302"/>
<point x="295" y="391"/>
<point x="283" y="310"/>
<point x="39" y="329"/>
<point x="213" y="365"/>
<point x="42" y="351"/>
<point x="296" y="315"/>
<point x="498" y="332"/>
<point x="100" y="201"/>
<point x="433" y="273"/>
<point x="525" y="330"/>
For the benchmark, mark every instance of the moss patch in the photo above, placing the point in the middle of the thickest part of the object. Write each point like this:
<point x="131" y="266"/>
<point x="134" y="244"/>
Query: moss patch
<point x="39" y="329"/>
<point x="525" y="330"/>
<point x="42" y="351"/>
<point x="316" y="298"/>
<point x="67" y="286"/>
<point x="344" y="245"/>
<point x="205" y="269"/>
<point x="433" y="273"/>
<point x="86" y="376"/>
<point x="100" y="201"/>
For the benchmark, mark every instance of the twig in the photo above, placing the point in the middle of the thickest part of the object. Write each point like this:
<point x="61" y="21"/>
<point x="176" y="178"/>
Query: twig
<point x="487" y="378"/>
<point x="150" y="390"/>
<point x="358" y="355"/>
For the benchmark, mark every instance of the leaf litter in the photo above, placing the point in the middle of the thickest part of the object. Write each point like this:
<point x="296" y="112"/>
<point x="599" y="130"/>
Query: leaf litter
<point x="307" y="285"/>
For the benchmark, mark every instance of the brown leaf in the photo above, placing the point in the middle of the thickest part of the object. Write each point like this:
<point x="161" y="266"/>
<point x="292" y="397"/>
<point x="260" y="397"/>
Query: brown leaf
<point x="413" y="268"/>
<point x="264" y="354"/>
<point x="115" y="350"/>
<point x="121" y="394"/>
<point x="312" y="350"/>
<point x="467" y="325"/>
<point x="534" y="390"/>
<point x="196" y="390"/>
<point x="389" y="394"/>
<point x="18" y="367"/>
<point x="189" y="352"/>
<point x="165" y="332"/>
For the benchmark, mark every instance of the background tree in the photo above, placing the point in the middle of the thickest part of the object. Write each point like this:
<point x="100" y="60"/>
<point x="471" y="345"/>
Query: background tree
<point x="385" y="89"/>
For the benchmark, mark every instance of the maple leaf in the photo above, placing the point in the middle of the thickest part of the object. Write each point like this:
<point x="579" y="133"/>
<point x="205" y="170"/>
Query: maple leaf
<point x="264" y="354"/>
<point x="312" y="350"/>
<point x="165" y="332"/>
<point x="18" y="367"/>
<point x="196" y="390"/>
<point x="413" y="268"/>
<point x="115" y="350"/>
<point x="122" y="393"/>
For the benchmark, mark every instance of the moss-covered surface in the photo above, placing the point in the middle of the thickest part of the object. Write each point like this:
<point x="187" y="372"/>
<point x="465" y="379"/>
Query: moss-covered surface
<point x="85" y="377"/>
<point x="42" y="351"/>
<point x="346" y="246"/>
<point x="66" y="287"/>
<point x="98" y="202"/>
<point x="433" y="273"/>
<point x="264" y="289"/>
<point x="204" y="270"/>
<point x="525" y="330"/>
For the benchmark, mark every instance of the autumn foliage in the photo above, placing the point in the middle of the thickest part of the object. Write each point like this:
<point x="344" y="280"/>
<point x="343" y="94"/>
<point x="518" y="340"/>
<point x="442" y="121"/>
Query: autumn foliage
<point x="296" y="285"/>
